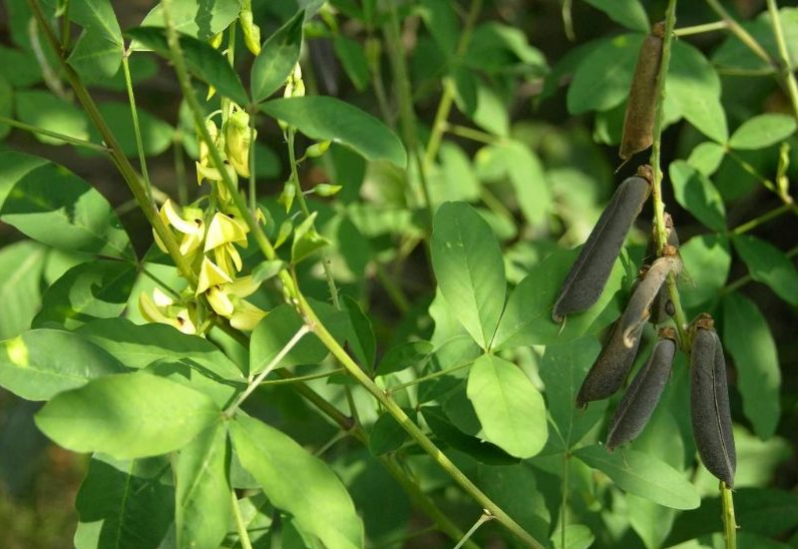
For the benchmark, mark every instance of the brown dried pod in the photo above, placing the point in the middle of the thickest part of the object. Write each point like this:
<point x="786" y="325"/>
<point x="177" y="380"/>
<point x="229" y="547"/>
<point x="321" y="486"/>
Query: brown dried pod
<point x="641" y="397"/>
<point x="640" y="114"/>
<point x="711" y="414"/>
<point x="637" y="312"/>
<point x="587" y="278"/>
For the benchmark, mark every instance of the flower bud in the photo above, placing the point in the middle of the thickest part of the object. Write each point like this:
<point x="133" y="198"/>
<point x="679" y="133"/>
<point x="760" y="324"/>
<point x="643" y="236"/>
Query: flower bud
<point x="250" y="31"/>
<point x="238" y="137"/>
<point x="326" y="189"/>
<point x="318" y="149"/>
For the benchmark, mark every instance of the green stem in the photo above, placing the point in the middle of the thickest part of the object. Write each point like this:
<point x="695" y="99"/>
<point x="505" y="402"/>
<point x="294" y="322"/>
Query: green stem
<point x="135" y="118"/>
<point x="302" y="379"/>
<point x="253" y="385"/>
<point x="700" y="29"/>
<point x="564" y="492"/>
<point x="244" y="538"/>
<point x="55" y="135"/>
<point x="745" y="37"/>
<point x="472" y="134"/>
<point x="728" y="516"/>
<point x="785" y="67"/>
<point x="66" y="27"/>
<point x="395" y="388"/>
<point x="123" y="164"/>
<point x="753" y="223"/>
<point x="411" y="428"/>
<point x="485" y="517"/>
<point x="566" y="16"/>
<point x="749" y="168"/>
<point x="744" y="280"/>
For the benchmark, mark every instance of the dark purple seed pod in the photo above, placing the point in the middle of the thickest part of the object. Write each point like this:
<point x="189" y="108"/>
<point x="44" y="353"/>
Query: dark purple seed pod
<point x="609" y="371"/>
<point x="637" y="312"/>
<point x="587" y="278"/>
<point x="640" y="114"/>
<point x="711" y="414"/>
<point x="640" y="399"/>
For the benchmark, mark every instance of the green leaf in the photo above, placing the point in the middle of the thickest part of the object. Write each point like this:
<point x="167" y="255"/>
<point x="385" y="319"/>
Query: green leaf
<point x="18" y="69"/>
<point x="628" y="13"/>
<point x="323" y="118"/>
<point x="39" y="364"/>
<point x="469" y="269"/>
<point x="387" y="435"/>
<point x="99" y="289"/>
<point x="491" y="113"/>
<point x="706" y="262"/>
<point x="441" y="21"/>
<point x="117" y="507"/>
<point x="748" y="339"/>
<point x="404" y="355"/>
<point x="707" y="157"/>
<point x="769" y="265"/>
<point x="465" y="90"/>
<point x="277" y="59"/>
<point x="762" y="131"/>
<point x="44" y="110"/>
<point x="298" y="483"/>
<point x="509" y="407"/>
<point x="307" y="240"/>
<point x="530" y="185"/>
<point x="279" y="327"/>
<point x="362" y="338"/>
<point x="127" y="416"/>
<point x="21" y="266"/>
<point x="202" y="60"/>
<point x="157" y="135"/>
<point x="446" y="432"/>
<point x="197" y="18"/>
<point x="527" y="317"/>
<point x="137" y="346"/>
<point x="733" y="53"/>
<point x="202" y="494"/>
<point x="642" y="475"/>
<point x="13" y="166"/>
<point x="52" y="205"/>
<point x="354" y="61"/>
<point x="454" y="178"/>
<point x="498" y="48"/>
<point x="693" y="91"/>
<point x="603" y="78"/>
<point x="651" y="521"/>
<point x="697" y="193"/>
<point x="563" y="369"/>
<point x="577" y="536"/>
<point x="95" y="57"/>
<point x="6" y="104"/>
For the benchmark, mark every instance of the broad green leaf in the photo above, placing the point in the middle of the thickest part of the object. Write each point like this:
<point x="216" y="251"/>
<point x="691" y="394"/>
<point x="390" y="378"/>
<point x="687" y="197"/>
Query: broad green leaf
<point x="44" y="110"/>
<point x="697" y="193"/>
<point x="197" y="18"/>
<point x="628" y="13"/>
<point x="498" y="48"/>
<point x="510" y="409"/>
<point x="577" y="536"/>
<point x="491" y="113"/>
<point x="202" y="493"/>
<point x="99" y="289"/>
<point x="118" y="508"/>
<point x="404" y="356"/>
<point x="387" y="435"/>
<point x="127" y="416"/>
<point x="323" y="118"/>
<point x="39" y="364"/>
<point x="465" y="90"/>
<point x="354" y="61"/>
<point x="733" y="53"/>
<point x="189" y="373"/>
<point x="157" y="135"/>
<point x="748" y="339"/>
<point x="441" y="21"/>
<point x="362" y="338"/>
<point x="693" y="91"/>
<point x="454" y="178"/>
<point x="769" y="265"/>
<point x="603" y="78"/>
<point x="469" y="269"/>
<point x="707" y="157"/>
<point x="298" y="483"/>
<point x="137" y="346"/>
<point x="563" y="369"/>
<point x="446" y="432"/>
<point x="279" y="327"/>
<point x="307" y="240"/>
<point x="277" y="59"/>
<point x="98" y="52"/>
<point x="21" y="266"/>
<point x="6" y="104"/>
<point x="13" y="166"/>
<point x="762" y="131"/>
<point x="527" y="317"/>
<point x="652" y="522"/>
<point x="18" y="69"/>
<point x="706" y="262"/>
<point x="516" y="491"/>
<point x="530" y="185"/>
<point x="54" y="206"/>
<point x="202" y="60"/>
<point x="642" y="475"/>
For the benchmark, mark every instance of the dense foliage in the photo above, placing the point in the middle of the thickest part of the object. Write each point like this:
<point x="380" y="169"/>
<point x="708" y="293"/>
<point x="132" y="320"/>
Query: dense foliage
<point x="353" y="274"/>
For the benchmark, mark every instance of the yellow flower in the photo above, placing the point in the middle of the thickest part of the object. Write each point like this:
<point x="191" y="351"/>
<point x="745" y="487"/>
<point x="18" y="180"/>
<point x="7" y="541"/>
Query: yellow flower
<point x="189" y="223"/>
<point x="238" y="137"/>
<point x="228" y="301"/>
<point x="162" y="309"/>
<point x="223" y="233"/>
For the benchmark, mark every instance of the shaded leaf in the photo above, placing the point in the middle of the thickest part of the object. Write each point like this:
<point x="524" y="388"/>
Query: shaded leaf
<point x="769" y="265"/>
<point x="706" y="262"/>
<point x="277" y="59"/>
<point x="44" y="110"/>
<point x="387" y="435"/>
<point x="21" y="266"/>
<point x="762" y="131"/>
<point x="628" y="13"/>
<point x="697" y="193"/>
<point x="197" y="18"/>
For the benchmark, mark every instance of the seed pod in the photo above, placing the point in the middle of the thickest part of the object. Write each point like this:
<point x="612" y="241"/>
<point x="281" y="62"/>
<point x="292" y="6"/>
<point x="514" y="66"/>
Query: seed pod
<point x="711" y="414"/>
<point x="609" y="371"/>
<point x="640" y="399"/>
<point x="663" y="308"/>
<point x="640" y="114"/>
<point x="637" y="312"/>
<point x="587" y="278"/>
